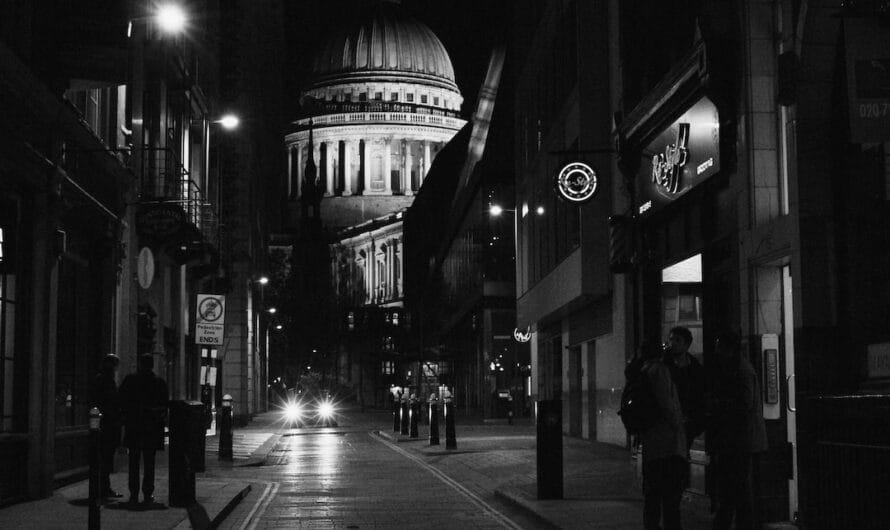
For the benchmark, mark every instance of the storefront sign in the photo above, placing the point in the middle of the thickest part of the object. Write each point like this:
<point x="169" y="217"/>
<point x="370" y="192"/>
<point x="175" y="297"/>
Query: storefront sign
<point x="576" y="182"/>
<point x="210" y="319"/>
<point x="521" y="336"/>
<point x="681" y="157"/>
<point x="159" y="221"/>
<point x="868" y="78"/>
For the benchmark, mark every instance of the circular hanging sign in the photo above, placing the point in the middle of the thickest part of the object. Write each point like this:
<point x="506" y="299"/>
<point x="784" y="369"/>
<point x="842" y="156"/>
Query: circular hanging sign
<point x="521" y="336"/>
<point x="576" y="182"/>
<point x="145" y="267"/>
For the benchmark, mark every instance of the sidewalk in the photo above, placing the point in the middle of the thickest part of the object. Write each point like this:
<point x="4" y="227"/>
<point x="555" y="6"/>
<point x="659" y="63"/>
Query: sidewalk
<point x="216" y="497"/>
<point x="600" y="486"/>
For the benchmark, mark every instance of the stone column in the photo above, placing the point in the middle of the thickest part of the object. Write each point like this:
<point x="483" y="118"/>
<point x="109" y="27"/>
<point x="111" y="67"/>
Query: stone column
<point x="426" y="161"/>
<point x="387" y="167"/>
<point x="397" y="259"/>
<point x="390" y="270"/>
<point x="291" y="184"/>
<point x="328" y="168"/>
<point x="299" y="169"/>
<point x="363" y="146"/>
<point x="347" y="168"/>
<point x="409" y="162"/>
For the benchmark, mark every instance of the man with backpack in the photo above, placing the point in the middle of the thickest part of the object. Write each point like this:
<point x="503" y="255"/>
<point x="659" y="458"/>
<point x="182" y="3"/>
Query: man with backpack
<point x="651" y="409"/>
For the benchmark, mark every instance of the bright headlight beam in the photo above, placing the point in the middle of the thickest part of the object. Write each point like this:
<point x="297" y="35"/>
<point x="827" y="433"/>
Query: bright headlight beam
<point x="326" y="409"/>
<point x="292" y="412"/>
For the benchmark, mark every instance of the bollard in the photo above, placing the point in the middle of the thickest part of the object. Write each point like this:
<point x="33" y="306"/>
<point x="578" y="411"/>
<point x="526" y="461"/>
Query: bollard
<point x="94" y="517"/>
<point x="396" y="414"/>
<point x="225" y="429"/>
<point x="434" y="419"/>
<point x="404" y="416"/>
<point x="450" y="435"/>
<point x="414" y="413"/>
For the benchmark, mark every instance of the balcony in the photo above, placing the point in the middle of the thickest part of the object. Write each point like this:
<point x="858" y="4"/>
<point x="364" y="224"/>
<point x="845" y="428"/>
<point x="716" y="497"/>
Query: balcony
<point x="179" y="205"/>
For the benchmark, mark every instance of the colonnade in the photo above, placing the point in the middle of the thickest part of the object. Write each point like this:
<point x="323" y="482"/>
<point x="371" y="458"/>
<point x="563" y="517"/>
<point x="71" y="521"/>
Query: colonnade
<point x="376" y="266"/>
<point x="381" y="166"/>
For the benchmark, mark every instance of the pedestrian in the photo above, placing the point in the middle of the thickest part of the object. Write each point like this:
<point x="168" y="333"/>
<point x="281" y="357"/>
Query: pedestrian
<point x="104" y="396"/>
<point x="144" y="403"/>
<point x="689" y="377"/>
<point x="736" y="434"/>
<point x="665" y="460"/>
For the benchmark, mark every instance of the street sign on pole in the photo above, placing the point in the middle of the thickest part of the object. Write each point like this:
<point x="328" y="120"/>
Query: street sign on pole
<point x="210" y="319"/>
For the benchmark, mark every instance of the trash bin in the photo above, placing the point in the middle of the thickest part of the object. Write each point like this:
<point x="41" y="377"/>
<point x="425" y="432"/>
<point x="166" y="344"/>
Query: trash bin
<point x="187" y="440"/>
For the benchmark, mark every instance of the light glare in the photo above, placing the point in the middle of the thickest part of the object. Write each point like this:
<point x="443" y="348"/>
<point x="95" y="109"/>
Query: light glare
<point x="496" y="210"/>
<point x="229" y="121"/>
<point x="171" y="18"/>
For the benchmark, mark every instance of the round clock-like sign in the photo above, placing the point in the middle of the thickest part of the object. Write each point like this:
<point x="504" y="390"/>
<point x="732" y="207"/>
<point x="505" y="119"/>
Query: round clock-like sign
<point x="145" y="267"/>
<point x="576" y="182"/>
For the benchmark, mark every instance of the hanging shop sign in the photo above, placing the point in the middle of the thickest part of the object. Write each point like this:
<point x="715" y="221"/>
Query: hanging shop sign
<point x="576" y="182"/>
<point x="159" y="221"/>
<point x="868" y="79"/>
<point x="145" y="267"/>
<point x="210" y="319"/>
<point x="682" y="156"/>
<point x="522" y="336"/>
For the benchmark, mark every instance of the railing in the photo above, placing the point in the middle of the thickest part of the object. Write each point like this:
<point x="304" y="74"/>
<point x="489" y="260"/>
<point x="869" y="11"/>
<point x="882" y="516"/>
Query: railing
<point x="382" y="117"/>
<point x="845" y="461"/>
<point x="165" y="180"/>
<point x="339" y="107"/>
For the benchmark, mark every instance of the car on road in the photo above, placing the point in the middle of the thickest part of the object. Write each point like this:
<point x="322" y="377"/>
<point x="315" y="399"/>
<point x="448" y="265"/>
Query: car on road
<point x="303" y="410"/>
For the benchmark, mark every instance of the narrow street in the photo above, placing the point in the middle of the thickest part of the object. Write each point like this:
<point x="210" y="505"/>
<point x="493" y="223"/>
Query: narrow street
<point x="351" y="477"/>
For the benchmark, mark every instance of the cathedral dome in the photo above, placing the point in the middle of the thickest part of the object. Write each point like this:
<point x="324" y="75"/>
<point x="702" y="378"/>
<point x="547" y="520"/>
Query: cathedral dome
<point x="386" y="43"/>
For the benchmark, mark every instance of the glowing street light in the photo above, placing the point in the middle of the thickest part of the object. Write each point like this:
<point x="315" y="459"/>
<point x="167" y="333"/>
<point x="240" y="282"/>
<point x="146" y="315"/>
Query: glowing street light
<point x="171" y="18"/>
<point x="271" y="310"/>
<point x="263" y="280"/>
<point x="496" y="210"/>
<point x="279" y="326"/>
<point x="229" y="122"/>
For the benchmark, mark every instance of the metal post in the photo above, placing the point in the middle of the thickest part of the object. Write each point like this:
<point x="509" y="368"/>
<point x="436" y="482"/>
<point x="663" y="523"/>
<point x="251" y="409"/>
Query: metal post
<point x="94" y="515"/>
<point x="404" y="416"/>
<point x="396" y="415"/>
<point x="450" y="435"/>
<point x="225" y="429"/>
<point x="414" y="412"/>
<point x="434" y="419"/>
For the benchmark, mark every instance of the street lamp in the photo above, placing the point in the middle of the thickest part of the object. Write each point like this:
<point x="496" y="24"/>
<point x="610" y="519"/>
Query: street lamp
<point x="229" y="122"/>
<point x="171" y="18"/>
<point x="263" y="280"/>
<point x="271" y="310"/>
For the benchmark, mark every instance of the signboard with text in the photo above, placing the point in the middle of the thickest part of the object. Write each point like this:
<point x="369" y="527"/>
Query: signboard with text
<point x="682" y="156"/>
<point x="210" y="319"/>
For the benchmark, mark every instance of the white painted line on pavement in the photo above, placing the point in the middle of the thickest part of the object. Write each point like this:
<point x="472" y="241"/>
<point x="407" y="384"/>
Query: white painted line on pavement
<point x="264" y="500"/>
<point x="490" y="510"/>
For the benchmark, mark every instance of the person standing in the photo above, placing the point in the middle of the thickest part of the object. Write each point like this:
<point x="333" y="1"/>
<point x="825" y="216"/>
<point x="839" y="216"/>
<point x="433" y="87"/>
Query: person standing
<point x="144" y="403"/>
<point x="104" y="396"/>
<point x="689" y="377"/>
<point x="736" y="434"/>
<point x="665" y="454"/>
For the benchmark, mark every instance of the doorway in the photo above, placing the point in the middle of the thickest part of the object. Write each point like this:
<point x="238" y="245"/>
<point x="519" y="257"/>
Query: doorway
<point x="790" y="387"/>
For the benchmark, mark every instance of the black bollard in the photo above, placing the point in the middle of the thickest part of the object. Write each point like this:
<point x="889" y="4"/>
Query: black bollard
<point x="396" y="415"/>
<point x="404" y="415"/>
<point x="94" y="514"/>
<point x="434" y="423"/>
<point x="549" y="450"/>
<point x="450" y="435"/>
<point x="225" y="429"/>
<point x="415" y="412"/>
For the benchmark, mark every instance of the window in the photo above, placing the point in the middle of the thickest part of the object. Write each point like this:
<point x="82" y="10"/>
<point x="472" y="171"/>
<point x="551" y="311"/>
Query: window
<point x="378" y="96"/>
<point x="409" y="97"/>
<point x="387" y="367"/>
<point x="436" y="101"/>
<point x="394" y="96"/>
<point x="363" y="96"/>
<point x="8" y="405"/>
<point x="423" y="98"/>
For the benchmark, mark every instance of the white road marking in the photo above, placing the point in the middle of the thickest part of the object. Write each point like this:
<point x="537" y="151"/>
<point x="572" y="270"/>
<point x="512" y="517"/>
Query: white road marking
<point x="488" y="509"/>
<point x="260" y="507"/>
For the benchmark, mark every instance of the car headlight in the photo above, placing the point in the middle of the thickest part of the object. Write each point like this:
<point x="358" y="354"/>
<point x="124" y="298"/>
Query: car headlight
<point x="293" y="411"/>
<point x="326" y="409"/>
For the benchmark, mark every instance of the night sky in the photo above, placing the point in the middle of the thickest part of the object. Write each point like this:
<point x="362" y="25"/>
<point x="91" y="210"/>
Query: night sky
<point x="467" y="28"/>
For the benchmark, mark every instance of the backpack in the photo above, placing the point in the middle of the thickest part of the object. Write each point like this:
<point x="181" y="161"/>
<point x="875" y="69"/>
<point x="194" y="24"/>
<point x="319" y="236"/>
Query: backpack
<point x="638" y="409"/>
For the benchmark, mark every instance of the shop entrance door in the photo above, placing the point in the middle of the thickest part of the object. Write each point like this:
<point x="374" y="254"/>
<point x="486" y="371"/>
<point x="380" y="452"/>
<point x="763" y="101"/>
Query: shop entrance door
<point x="790" y="397"/>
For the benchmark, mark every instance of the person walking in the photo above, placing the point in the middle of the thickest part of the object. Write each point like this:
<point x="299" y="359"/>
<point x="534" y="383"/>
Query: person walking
<point x="665" y="460"/>
<point x="104" y="396"/>
<point x="736" y="434"/>
<point x="144" y="403"/>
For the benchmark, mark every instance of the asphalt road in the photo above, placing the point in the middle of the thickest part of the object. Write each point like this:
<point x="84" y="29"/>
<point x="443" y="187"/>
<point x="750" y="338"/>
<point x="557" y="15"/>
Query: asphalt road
<point x="349" y="477"/>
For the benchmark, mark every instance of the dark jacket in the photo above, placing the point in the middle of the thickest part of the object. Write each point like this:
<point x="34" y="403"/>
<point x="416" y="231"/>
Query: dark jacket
<point x="143" y="398"/>
<point x="691" y="387"/>
<point x="667" y="437"/>
<point x="104" y="396"/>
<point x="737" y="424"/>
